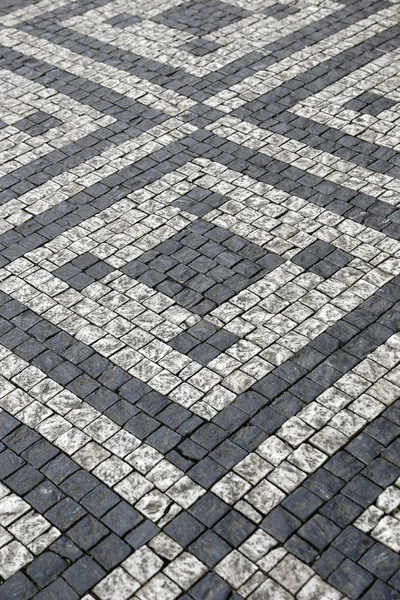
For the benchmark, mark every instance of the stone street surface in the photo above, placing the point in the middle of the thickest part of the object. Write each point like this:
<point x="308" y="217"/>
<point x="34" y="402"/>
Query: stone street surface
<point x="200" y="299"/>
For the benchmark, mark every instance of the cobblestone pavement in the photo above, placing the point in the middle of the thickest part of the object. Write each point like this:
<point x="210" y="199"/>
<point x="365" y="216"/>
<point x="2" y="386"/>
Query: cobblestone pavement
<point x="200" y="299"/>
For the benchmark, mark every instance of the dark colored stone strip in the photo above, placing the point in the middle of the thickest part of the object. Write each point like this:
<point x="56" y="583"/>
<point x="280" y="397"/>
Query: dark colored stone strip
<point x="9" y="6"/>
<point x="99" y="529"/>
<point x="89" y="93"/>
<point x="242" y="426"/>
<point x="315" y="522"/>
<point x="208" y="453"/>
<point x="202" y="266"/>
<point x="95" y="198"/>
<point x="146" y="68"/>
<point x="132" y="119"/>
<point x="204" y="450"/>
<point x="377" y="158"/>
<point x="351" y="204"/>
<point x="319" y="77"/>
<point x="126" y="400"/>
<point x="246" y="66"/>
<point x="198" y="88"/>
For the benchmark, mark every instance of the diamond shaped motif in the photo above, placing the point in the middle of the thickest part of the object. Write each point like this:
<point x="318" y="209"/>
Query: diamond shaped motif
<point x="200" y="17"/>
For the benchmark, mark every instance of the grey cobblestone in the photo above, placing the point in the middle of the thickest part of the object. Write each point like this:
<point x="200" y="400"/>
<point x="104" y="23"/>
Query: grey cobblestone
<point x="199" y="300"/>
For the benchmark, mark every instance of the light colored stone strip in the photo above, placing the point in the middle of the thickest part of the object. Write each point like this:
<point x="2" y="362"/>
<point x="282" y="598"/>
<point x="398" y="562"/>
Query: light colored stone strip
<point x="379" y="76"/>
<point x="24" y="533"/>
<point x="143" y="91"/>
<point x="258" y="570"/>
<point x="306" y="441"/>
<point x="141" y="346"/>
<point x="310" y="160"/>
<point x="268" y="79"/>
<point x="31" y="11"/>
<point x="153" y="40"/>
<point x="139" y="473"/>
<point x="65" y="186"/>
<point x="20" y="98"/>
<point x="284" y="223"/>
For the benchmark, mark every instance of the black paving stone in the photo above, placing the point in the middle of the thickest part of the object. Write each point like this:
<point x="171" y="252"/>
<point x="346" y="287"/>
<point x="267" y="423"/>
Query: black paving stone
<point x="84" y="574"/>
<point x="184" y="529"/>
<point x="302" y="503"/>
<point x="17" y="587"/>
<point x="111" y="551"/>
<point x="87" y="532"/>
<point x="353" y="543"/>
<point x="100" y="500"/>
<point x="58" y="589"/>
<point x="210" y="548"/>
<point x="46" y="568"/>
<point x="209" y="509"/>
<point x="280" y="524"/>
<point x="210" y="586"/>
<point x="351" y="579"/>
<point x="65" y="513"/>
<point x="44" y="496"/>
<point x="319" y="531"/>
<point x="380" y="561"/>
<point x="200" y="268"/>
<point x="234" y="528"/>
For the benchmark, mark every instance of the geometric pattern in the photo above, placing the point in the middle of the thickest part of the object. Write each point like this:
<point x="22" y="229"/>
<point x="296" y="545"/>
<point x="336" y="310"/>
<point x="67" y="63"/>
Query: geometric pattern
<point x="200" y="18"/>
<point x="202" y="266"/>
<point x="199" y="300"/>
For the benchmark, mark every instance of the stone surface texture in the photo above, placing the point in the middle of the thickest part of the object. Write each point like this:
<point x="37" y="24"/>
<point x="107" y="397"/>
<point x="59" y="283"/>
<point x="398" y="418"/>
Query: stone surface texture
<point x="200" y="300"/>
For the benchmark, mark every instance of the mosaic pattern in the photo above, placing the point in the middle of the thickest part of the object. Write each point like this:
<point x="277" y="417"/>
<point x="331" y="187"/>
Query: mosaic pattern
<point x="199" y="300"/>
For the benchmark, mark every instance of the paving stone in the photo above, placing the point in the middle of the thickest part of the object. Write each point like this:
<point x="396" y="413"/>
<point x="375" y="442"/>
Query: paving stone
<point x="209" y="509"/>
<point x="301" y="549"/>
<point x="21" y="439"/>
<point x="17" y="586"/>
<point x="302" y="503"/>
<point x="46" y="568"/>
<point x="111" y="551"/>
<point x="9" y="462"/>
<point x="184" y="529"/>
<point x="199" y="297"/>
<point x="210" y="584"/>
<point x="65" y="513"/>
<point x="209" y="548"/>
<point x="87" y="532"/>
<point x="280" y="524"/>
<point x="328" y="562"/>
<point x="100" y="500"/>
<point x="344" y="465"/>
<point x="83" y="575"/>
<point x="44" y="496"/>
<point x="324" y="484"/>
<point x="23" y="480"/>
<point x="142" y="534"/>
<point x="380" y="561"/>
<point x="59" y="468"/>
<point x="319" y="531"/>
<point x="381" y="590"/>
<point x="66" y="549"/>
<point x="206" y="472"/>
<point x="122" y="518"/>
<point x="352" y="543"/>
<point x="341" y="510"/>
<point x="234" y="528"/>
<point x="361" y="490"/>
<point x="351" y="579"/>
<point x="79" y="484"/>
